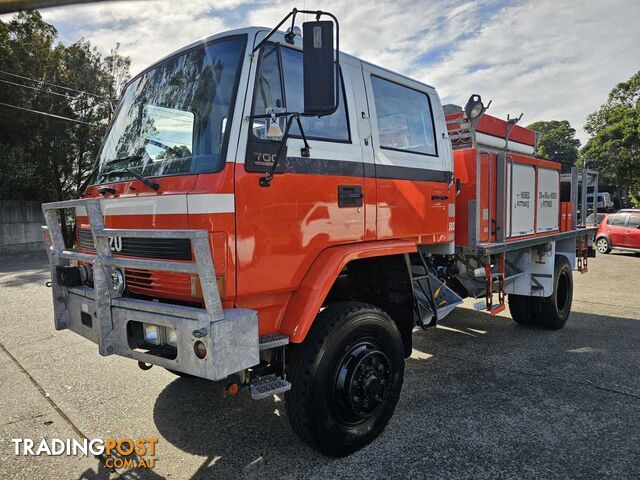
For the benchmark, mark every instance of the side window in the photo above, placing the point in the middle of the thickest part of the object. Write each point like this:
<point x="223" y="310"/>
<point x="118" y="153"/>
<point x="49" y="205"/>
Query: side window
<point x="268" y="93"/>
<point x="270" y="96"/>
<point x="405" y="121"/>
<point x="330" y="127"/>
<point x="620" y="219"/>
<point x="634" y="220"/>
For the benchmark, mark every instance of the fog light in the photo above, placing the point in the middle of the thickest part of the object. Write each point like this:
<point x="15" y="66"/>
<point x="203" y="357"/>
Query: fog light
<point x="159" y="335"/>
<point x="172" y="336"/>
<point x="152" y="334"/>
<point x="200" y="349"/>
<point x="117" y="281"/>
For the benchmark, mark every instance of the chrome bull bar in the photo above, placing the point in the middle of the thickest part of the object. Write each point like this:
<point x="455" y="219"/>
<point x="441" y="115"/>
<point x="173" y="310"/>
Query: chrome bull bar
<point x="229" y="335"/>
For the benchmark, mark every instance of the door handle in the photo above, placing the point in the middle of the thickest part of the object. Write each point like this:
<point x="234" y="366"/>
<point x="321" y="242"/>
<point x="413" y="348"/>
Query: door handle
<point x="350" y="195"/>
<point x="439" y="197"/>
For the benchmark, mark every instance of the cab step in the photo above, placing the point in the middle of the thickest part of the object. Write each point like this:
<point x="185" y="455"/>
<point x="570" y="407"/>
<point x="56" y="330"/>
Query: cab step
<point x="273" y="340"/>
<point x="263" y="387"/>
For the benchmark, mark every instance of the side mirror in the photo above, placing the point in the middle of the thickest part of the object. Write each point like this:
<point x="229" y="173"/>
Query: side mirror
<point x="319" y="68"/>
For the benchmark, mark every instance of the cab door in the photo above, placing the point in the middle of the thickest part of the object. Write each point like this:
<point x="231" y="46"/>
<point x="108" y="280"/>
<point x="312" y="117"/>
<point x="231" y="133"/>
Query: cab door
<point x="413" y="161"/>
<point x="312" y="203"/>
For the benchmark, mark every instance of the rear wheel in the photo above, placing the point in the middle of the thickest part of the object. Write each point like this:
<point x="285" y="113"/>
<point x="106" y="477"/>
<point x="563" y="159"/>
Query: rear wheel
<point x="346" y="378"/>
<point x="555" y="310"/>
<point x="549" y="312"/>
<point x="521" y="308"/>
<point x="602" y="244"/>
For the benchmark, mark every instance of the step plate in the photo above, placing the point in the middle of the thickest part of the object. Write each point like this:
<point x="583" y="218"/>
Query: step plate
<point x="268" y="385"/>
<point x="273" y="340"/>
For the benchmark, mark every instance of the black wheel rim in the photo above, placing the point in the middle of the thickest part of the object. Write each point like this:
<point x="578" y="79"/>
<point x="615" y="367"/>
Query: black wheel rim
<point x="362" y="382"/>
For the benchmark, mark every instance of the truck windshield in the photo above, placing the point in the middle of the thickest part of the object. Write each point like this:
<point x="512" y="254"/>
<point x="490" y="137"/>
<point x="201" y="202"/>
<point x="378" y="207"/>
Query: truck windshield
<point x="173" y="118"/>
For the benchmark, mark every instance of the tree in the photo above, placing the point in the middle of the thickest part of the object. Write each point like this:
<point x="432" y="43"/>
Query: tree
<point x="42" y="157"/>
<point x="614" y="146"/>
<point x="557" y="142"/>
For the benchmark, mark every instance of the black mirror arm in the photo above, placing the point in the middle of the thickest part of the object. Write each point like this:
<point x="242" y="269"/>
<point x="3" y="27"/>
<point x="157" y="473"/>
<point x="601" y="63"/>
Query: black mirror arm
<point x="304" y="151"/>
<point x="275" y="29"/>
<point x="318" y="14"/>
<point x="265" y="181"/>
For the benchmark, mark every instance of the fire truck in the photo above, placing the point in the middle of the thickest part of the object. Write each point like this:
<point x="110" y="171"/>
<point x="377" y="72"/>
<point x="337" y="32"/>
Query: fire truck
<point x="272" y="214"/>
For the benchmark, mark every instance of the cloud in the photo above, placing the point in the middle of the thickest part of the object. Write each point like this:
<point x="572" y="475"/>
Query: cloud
<point x="548" y="59"/>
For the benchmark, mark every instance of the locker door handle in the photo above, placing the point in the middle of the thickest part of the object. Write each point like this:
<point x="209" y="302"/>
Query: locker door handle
<point x="439" y="197"/>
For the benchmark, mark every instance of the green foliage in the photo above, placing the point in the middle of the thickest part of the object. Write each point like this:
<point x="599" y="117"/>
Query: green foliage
<point x="557" y="142"/>
<point x="614" y="145"/>
<point x="45" y="158"/>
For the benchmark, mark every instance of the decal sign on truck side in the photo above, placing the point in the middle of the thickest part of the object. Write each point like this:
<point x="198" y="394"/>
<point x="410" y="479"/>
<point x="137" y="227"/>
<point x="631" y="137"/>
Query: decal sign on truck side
<point x="521" y="211"/>
<point x="548" y="200"/>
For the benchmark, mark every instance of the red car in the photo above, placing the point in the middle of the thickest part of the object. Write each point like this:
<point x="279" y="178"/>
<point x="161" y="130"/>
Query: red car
<point x="619" y="231"/>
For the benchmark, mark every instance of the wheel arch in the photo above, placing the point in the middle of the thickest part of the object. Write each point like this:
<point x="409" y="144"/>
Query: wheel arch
<point x="320" y="282"/>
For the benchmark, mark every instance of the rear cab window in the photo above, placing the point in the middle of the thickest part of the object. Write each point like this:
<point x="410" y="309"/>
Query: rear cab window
<point x="405" y="118"/>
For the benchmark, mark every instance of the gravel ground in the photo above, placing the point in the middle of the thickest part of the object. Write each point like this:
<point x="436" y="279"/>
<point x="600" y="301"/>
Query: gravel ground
<point x="483" y="397"/>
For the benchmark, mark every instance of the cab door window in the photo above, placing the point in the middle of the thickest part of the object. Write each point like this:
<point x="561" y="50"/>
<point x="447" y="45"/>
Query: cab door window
<point x="332" y="127"/>
<point x="268" y="95"/>
<point x="282" y="67"/>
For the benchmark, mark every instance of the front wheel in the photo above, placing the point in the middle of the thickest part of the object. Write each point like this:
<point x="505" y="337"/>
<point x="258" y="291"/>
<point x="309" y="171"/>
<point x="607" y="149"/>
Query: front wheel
<point x="602" y="244"/>
<point x="346" y="378"/>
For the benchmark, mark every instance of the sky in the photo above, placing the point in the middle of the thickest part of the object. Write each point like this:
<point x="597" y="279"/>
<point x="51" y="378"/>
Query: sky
<point x="551" y="60"/>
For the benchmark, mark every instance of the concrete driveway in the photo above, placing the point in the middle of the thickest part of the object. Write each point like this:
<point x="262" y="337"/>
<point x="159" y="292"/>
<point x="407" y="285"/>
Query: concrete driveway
<point x="483" y="397"/>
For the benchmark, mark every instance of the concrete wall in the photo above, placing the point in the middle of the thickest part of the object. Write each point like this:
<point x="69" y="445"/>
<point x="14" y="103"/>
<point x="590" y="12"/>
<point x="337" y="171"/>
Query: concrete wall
<point x="20" y="223"/>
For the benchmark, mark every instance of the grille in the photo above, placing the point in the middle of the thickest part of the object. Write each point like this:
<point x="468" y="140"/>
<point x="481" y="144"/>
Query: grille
<point x="159" y="248"/>
<point x="159" y="284"/>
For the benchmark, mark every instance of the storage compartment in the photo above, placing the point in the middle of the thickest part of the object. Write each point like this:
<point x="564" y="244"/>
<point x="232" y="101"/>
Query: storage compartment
<point x="548" y="209"/>
<point x="521" y="187"/>
<point x="504" y="196"/>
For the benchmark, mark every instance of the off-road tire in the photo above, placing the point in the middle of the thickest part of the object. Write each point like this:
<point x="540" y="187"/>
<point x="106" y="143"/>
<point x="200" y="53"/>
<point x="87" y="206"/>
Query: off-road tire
<point x="603" y="245"/>
<point x="521" y="308"/>
<point x="555" y="309"/>
<point x="547" y="312"/>
<point x="319" y="405"/>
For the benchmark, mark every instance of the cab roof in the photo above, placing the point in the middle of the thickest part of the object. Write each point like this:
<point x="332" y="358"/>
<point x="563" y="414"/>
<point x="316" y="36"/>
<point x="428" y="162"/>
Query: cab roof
<point x="277" y="37"/>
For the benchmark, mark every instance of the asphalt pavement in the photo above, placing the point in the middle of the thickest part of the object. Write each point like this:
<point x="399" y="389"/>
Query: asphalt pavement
<point x="482" y="398"/>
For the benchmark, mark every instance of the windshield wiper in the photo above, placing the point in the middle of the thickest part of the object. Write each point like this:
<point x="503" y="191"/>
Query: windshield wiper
<point x="143" y="179"/>
<point x="124" y="159"/>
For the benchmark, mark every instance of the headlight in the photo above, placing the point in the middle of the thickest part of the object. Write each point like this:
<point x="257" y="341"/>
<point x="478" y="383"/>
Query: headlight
<point x="117" y="281"/>
<point x="158" y="335"/>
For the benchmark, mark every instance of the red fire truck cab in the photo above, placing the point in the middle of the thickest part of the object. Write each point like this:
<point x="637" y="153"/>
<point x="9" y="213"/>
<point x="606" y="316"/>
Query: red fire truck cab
<point x="269" y="214"/>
